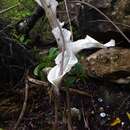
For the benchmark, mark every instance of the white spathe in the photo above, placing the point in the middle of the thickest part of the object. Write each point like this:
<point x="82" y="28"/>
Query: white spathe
<point x="58" y="36"/>
<point x="62" y="37"/>
<point x="72" y="48"/>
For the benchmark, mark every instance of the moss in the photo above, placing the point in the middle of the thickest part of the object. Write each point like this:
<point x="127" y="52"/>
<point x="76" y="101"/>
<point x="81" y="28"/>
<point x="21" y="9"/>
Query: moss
<point x="24" y="9"/>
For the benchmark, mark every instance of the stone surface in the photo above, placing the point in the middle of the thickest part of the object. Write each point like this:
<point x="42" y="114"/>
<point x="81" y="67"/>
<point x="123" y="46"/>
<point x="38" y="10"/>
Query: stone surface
<point x="111" y="63"/>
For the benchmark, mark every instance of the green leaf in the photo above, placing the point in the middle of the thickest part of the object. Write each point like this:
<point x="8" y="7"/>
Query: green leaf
<point x="53" y="52"/>
<point x="26" y="41"/>
<point x="22" y="38"/>
<point x="69" y="81"/>
<point x="38" y="68"/>
<point x="46" y="61"/>
<point x="78" y="68"/>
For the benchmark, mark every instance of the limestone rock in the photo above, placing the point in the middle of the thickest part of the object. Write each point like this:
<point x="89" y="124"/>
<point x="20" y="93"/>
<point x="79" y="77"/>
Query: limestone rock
<point x="111" y="63"/>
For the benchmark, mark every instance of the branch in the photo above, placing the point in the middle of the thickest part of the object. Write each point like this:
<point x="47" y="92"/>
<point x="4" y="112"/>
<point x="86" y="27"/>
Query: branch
<point x="54" y="23"/>
<point x="69" y="21"/>
<point x="8" y="9"/>
<point x="63" y="89"/>
<point x="86" y="3"/>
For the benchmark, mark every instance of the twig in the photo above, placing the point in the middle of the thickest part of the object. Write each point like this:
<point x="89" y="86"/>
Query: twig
<point x="71" y="90"/>
<point x="69" y="121"/>
<point x="54" y="23"/>
<point x="90" y="5"/>
<point x="38" y="82"/>
<point x="76" y="91"/>
<point x="124" y="101"/>
<point x="8" y="9"/>
<point x="56" y="112"/>
<point x="69" y="21"/>
<point x="24" y="106"/>
<point x="101" y="20"/>
<point x="84" y="118"/>
<point x="8" y="26"/>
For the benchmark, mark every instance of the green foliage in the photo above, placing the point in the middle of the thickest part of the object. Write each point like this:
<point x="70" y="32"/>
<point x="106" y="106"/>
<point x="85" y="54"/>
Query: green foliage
<point x="46" y="61"/>
<point x="24" y="9"/>
<point x="77" y="73"/>
<point x="69" y="81"/>
<point x="23" y="39"/>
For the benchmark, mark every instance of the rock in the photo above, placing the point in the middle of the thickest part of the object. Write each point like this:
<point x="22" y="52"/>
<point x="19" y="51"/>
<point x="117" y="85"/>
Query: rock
<point x="112" y="64"/>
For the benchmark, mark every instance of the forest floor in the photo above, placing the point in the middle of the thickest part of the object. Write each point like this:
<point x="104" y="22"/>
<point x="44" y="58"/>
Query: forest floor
<point x="27" y="102"/>
<point x="94" y="104"/>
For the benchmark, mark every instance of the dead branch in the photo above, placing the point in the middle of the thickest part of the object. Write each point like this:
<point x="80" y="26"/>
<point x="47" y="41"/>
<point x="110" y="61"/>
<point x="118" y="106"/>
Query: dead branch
<point x="71" y="90"/>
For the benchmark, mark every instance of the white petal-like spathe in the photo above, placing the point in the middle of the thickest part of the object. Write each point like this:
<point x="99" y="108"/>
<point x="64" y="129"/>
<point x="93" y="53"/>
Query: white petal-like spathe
<point x="58" y="36"/>
<point x="70" y="59"/>
<point x="54" y="75"/>
<point x="111" y="43"/>
<point x="81" y="44"/>
<point x="89" y="42"/>
<point x="71" y="48"/>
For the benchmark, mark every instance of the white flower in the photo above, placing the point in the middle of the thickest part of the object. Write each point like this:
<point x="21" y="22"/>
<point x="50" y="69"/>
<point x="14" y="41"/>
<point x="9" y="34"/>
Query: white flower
<point x="72" y="48"/>
<point x="62" y="37"/>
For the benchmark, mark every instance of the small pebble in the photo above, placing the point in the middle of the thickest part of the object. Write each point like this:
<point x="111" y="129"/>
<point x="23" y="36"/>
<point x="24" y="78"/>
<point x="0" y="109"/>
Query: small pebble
<point x="122" y="123"/>
<point x="101" y="108"/>
<point x="102" y="114"/>
<point x="100" y="99"/>
<point x="92" y="112"/>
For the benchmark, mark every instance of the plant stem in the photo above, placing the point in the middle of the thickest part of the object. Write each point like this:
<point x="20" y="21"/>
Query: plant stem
<point x="86" y="3"/>
<point x="69" y="121"/>
<point x="67" y="11"/>
<point x="8" y="9"/>
<point x="56" y="112"/>
<point x="24" y="106"/>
